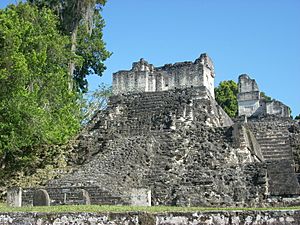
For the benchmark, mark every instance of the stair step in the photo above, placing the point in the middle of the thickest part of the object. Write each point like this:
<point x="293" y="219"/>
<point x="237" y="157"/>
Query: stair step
<point x="275" y="143"/>
<point x="276" y="148"/>
<point x="274" y="151"/>
<point x="276" y="154"/>
<point x="267" y="137"/>
<point x="277" y="157"/>
<point x="273" y="132"/>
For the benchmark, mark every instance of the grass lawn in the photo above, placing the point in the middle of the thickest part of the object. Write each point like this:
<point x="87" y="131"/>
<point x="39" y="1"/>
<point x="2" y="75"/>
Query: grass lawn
<point x="106" y="208"/>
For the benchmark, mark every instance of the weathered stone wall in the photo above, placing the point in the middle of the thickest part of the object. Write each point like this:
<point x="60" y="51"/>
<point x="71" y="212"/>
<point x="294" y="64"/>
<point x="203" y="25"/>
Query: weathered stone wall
<point x="142" y="113"/>
<point x="284" y="217"/>
<point x="248" y="96"/>
<point x="171" y="143"/>
<point x="274" y="134"/>
<point x="277" y="108"/>
<point x="294" y="130"/>
<point x="144" y="77"/>
<point x="174" y="144"/>
<point x="247" y="85"/>
<point x="202" y="171"/>
<point x="68" y="195"/>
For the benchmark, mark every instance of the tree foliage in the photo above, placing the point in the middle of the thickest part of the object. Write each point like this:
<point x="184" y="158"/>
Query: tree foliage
<point x="95" y="101"/>
<point x="81" y="20"/>
<point x="297" y="117"/>
<point x="36" y="106"/>
<point x="226" y="97"/>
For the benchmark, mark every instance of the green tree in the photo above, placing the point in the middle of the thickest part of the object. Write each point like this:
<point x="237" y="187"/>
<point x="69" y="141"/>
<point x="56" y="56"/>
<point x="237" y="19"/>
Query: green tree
<point x="36" y="106"/>
<point x="226" y="97"/>
<point x="297" y="117"/>
<point x="81" y="20"/>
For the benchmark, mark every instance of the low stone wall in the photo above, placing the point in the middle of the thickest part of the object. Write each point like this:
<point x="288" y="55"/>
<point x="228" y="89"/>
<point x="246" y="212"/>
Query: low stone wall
<point x="69" y="196"/>
<point x="282" y="217"/>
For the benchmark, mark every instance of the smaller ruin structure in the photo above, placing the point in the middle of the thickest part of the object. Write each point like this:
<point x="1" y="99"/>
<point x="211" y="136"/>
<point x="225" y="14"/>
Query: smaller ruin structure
<point x="251" y="103"/>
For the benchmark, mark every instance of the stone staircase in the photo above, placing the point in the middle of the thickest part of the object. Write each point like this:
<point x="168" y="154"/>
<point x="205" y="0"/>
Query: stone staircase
<point x="273" y="137"/>
<point x="274" y="145"/>
<point x="163" y="172"/>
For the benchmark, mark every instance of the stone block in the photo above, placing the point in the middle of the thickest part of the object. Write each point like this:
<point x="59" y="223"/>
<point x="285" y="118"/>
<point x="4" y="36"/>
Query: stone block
<point x="85" y="197"/>
<point x="41" y="198"/>
<point x="14" y="197"/>
<point x="140" y="197"/>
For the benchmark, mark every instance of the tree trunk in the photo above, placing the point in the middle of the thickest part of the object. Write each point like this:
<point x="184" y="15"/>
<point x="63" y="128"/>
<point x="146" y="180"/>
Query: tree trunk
<point x="72" y="63"/>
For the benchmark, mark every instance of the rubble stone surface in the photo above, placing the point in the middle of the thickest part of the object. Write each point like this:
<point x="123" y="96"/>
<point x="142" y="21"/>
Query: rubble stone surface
<point x="180" y="147"/>
<point x="283" y="217"/>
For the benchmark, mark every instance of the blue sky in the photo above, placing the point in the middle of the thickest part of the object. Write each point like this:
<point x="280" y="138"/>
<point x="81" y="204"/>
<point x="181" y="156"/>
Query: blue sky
<point x="257" y="37"/>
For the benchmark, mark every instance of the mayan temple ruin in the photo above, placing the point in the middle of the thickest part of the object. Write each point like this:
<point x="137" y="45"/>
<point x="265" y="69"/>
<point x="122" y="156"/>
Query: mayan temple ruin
<point x="164" y="140"/>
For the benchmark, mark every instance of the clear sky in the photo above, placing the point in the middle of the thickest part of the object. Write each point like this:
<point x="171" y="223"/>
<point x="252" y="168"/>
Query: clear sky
<point x="257" y="37"/>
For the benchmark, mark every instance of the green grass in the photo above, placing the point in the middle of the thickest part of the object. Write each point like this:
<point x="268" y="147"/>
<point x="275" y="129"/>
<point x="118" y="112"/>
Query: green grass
<point x="106" y="208"/>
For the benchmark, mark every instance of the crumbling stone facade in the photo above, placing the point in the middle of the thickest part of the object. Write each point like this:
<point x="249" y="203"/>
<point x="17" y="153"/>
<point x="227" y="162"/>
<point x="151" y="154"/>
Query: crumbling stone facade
<point x="179" y="144"/>
<point x="176" y="146"/>
<point x="144" y="77"/>
<point x="250" y="102"/>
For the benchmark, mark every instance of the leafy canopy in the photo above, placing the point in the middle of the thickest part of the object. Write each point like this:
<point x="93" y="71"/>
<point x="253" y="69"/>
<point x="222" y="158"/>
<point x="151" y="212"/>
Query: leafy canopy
<point x="36" y="107"/>
<point x="81" y="20"/>
<point x="226" y="97"/>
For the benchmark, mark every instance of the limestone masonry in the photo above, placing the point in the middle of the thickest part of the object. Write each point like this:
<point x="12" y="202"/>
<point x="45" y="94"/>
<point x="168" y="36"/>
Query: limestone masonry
<point x="283" y="217"/>
<point x="163" y="140"/>
<point x="144" y="77"/>
<point x="252" y="104"/>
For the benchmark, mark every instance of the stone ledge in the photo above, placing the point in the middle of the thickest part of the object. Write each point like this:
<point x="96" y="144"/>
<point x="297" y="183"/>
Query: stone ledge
<point x="283" y="217"/>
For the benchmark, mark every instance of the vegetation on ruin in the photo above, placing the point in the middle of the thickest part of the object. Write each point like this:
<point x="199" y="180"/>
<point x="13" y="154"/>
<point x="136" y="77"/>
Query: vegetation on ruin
<point x="39" y="112"/>
<point x="226" y="97"/>
<point x="264" y="96"/>
<point x="120" y="209"/>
